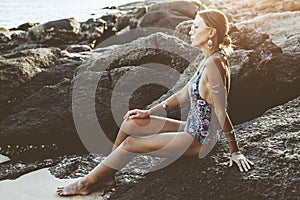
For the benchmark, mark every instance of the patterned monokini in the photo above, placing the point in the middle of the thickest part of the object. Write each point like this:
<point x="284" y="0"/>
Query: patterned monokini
<point x="201" y="121"/>
<point x="199" y="116"/>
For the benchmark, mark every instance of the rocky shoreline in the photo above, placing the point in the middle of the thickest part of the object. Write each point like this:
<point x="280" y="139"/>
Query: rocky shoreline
<point x="41" y="65"/>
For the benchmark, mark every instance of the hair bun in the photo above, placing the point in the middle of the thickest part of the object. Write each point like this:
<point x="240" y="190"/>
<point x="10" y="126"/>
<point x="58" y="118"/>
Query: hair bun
<point x="226" y="41"/>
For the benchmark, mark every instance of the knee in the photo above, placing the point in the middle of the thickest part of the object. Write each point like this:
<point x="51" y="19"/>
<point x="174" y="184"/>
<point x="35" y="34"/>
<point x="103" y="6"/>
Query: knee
<point x="129" y="143"/>
<point x="132" y="125"/>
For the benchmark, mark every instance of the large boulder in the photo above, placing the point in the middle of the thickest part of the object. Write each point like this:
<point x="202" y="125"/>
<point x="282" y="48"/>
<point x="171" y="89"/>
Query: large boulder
<point x="64" y="31"/>
<point x="280" y="34"/>
<point x="44" y="103"/>
<point x="20" y="67"/>
<point x="170" y="14"/>
<point x="261" y="83"/>
<point x="247" y="10"/>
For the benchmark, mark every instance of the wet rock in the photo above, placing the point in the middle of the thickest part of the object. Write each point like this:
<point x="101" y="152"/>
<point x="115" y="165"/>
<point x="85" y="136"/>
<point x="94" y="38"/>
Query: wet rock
<point x="13" y="170"/>
<point x="20" y="67"/>
<point x="169" y="14"/>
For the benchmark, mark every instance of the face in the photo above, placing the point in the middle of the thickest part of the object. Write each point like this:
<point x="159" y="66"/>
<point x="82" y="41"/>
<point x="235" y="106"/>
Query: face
<point x="199" y="32"/>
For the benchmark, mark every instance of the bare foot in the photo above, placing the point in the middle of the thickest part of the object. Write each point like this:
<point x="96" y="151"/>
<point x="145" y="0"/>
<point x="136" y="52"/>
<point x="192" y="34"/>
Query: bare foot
<point x="110" y="181"/>
<point x="80" y="187"/>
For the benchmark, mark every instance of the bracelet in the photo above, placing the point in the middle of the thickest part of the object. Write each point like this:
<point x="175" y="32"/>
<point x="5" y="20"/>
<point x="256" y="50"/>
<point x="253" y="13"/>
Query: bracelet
<point x="234" y="153"/>
<point x="229" y="132"/>
<point x="164" y="105"/>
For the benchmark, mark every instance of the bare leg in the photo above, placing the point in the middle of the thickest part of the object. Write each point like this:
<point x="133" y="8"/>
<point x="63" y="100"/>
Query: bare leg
<point x="147" y="126"/>
<point x="122" y="155"/>
<point x="144" y="127"/>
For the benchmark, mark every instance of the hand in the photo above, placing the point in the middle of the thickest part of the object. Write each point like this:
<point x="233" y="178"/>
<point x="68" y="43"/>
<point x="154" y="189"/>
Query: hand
<point x="241" y="161"/>
<point x="136" y="114"/>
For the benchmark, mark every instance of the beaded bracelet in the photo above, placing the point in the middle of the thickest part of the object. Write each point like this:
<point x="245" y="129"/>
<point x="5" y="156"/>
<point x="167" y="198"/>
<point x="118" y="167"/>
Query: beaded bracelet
<point x="229" y="132"/>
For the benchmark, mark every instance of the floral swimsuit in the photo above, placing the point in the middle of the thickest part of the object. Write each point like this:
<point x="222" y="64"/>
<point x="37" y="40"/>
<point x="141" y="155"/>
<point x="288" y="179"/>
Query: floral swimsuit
<point x="199" y="116"/>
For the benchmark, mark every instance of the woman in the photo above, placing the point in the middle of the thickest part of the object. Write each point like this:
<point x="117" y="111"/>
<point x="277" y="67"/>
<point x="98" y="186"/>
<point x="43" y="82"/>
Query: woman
<point x="207" y="91"/>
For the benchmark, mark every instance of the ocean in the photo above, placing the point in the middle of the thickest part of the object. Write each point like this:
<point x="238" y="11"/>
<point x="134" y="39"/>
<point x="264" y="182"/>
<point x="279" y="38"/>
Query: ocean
<point x="16" y="12"/>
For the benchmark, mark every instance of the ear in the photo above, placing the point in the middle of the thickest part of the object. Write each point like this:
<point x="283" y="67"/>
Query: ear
<point x="212" y="32"/>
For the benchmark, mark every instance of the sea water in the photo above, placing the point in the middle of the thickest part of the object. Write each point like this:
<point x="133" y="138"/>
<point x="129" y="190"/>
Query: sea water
<point x="16" y="12"/>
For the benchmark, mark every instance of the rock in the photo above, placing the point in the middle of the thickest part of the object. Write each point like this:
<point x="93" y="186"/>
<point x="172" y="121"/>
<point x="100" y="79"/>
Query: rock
<point x="4" y="35"/>
<point x="78" y="48"/>
<point x="48" y="95"/>
<point x="19" y="37"/>
<point x="55" y="33"/>
<point x="248" y="38"/>
<point x="279" y="34"/>
<point x="20" y="67"/>
<point x="291" y="45"/>
<point x="261" y="83"/>
<point x="270" y="141"/>
<point x="26" y="26"/>
<point x="3" y="30"/>
<point x="247" y="10"/>
<point x="40" y="118"/>
<point x="169" y="14"/>
<point x="182" y="30"/>
<point x="110" y="7"/>
<point x="131" y="19"/>
<point x="111" y="63"/>
<point x="92" y="30"/>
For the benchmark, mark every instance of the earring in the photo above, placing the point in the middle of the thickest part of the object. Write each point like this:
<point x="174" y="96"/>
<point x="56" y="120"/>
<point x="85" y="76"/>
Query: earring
<point x="209" y="44"/>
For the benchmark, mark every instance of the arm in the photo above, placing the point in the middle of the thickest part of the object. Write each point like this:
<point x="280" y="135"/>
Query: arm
<point x="173" y="101"/>
<point x="215" y="76"/>
<point x="218" y="93"/>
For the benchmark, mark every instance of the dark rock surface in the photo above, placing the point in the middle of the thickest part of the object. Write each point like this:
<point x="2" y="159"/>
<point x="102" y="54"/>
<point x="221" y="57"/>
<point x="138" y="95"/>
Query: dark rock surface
<point x="43" y="102"/>
<point x="38" y="68"/>
<point x="270" y="141"/>
<point x="55" y="32"/>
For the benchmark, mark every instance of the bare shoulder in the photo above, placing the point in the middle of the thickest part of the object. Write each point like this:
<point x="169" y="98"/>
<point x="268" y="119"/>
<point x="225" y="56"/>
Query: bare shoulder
<point x="216" y="63"/>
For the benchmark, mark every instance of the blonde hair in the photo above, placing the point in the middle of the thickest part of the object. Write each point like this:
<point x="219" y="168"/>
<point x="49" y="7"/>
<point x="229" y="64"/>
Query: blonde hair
<point x="216" y="19"/>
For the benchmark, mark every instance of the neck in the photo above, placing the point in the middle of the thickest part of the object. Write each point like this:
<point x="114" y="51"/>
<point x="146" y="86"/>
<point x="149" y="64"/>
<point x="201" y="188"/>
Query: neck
<point x="208" y="52"/>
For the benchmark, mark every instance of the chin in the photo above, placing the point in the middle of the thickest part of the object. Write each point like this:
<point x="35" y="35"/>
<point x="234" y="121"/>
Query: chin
<point x="194" y="44"/>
